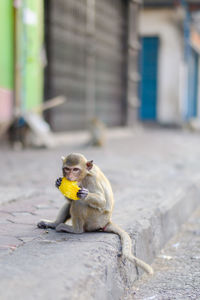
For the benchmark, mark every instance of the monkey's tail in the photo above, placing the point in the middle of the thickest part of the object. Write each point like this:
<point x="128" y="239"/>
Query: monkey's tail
<point x="127" y="246"/>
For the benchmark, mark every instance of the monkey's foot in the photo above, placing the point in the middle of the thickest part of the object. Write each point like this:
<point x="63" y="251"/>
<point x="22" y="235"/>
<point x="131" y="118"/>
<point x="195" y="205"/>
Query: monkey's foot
<point x="45" y="225"/>
<point x="42" y="225"/>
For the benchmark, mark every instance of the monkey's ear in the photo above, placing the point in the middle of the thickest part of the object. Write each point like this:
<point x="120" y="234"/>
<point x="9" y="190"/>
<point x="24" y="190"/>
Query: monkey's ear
<point x="89" y="165"/>
<point x="62" y="158"/>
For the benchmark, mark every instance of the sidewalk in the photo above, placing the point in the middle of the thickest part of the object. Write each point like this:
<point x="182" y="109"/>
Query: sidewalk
<point x="155" y="175"/>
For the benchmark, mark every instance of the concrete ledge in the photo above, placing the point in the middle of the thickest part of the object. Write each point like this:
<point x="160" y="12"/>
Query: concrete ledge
<point x="155" y="178"/>
<point x="166" y="222"/>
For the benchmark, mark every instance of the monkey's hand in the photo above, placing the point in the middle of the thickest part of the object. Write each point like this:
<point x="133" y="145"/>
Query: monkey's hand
<point x="58" y="182"/>
<point x="82" y="193"/>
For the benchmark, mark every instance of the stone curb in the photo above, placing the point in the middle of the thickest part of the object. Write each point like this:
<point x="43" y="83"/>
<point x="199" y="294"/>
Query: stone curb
<point x="101" y="274"/>
<point x="166" y="222"/>
<point x="78" y="267"/>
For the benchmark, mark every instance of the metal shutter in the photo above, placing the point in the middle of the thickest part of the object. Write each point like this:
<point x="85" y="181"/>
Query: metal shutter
<point x="67" y="59"/>
<point x="111" y="54"/>
<point x="68" y="51"/>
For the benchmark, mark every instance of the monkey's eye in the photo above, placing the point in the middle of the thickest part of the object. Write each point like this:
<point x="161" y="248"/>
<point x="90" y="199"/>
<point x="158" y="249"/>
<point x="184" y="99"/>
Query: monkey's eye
<point x="76" y="169"/>
<point x="66" y="169"/>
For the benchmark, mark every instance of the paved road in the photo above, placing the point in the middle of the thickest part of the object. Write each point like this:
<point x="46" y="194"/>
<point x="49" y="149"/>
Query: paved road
<point x="151" y="172"/>
<point x="177" y="268"/>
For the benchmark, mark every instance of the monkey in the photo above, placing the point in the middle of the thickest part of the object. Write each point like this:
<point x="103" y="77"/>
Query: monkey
<point x="93" y="211"/>
<point x="18" y="132"/>
<point x="97" y="131"/>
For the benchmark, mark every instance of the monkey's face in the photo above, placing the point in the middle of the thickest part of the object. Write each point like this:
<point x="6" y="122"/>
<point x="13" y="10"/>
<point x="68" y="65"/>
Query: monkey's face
<point x="72" y="173"/>
<point x="76" y="167"/>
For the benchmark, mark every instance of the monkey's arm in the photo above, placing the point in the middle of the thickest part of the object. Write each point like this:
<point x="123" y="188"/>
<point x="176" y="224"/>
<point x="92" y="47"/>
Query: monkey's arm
<point x="93" y="192"/>
<point x="63" y="216"/>
<point x="95" y="200"/>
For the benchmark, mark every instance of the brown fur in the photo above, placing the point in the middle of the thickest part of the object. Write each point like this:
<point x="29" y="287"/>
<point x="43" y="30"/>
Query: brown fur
<point x="93" y="213"/>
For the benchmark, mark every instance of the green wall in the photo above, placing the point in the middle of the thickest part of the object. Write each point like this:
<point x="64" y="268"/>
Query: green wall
<point x="30" y="43"/>
<point x="6" y="44"/>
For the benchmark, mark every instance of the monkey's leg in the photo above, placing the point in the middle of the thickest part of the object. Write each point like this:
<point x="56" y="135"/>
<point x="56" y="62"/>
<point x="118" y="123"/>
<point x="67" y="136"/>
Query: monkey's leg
<point x="63" y="216"/>
<point x="127" y="246"/>
<point x="67" y="228"/>
<point x="76" y="228"/>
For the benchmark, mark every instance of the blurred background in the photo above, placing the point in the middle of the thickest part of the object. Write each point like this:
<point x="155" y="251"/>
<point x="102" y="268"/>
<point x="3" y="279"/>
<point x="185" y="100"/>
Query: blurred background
<point x="67" y="63"/>
<point x="79" y="73"/>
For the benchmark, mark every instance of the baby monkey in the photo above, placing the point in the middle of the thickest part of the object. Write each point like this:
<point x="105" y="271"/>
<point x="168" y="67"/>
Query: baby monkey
<point x="94" y="209"/>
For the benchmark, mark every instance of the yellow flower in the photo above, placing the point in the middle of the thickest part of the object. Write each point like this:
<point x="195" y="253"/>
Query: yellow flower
<point x="69" y="189"/>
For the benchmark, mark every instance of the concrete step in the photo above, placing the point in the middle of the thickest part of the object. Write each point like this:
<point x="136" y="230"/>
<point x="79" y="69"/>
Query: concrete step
<point x="155" y="178"/>
<point x="176" y="268"/>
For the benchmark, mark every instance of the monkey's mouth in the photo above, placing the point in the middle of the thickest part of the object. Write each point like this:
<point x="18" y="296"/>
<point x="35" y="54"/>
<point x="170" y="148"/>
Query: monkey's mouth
<point x="71" y="179"/>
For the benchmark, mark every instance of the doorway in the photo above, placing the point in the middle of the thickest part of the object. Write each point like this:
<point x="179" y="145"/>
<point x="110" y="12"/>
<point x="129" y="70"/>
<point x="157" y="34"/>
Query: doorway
<point x="149" y="78"/>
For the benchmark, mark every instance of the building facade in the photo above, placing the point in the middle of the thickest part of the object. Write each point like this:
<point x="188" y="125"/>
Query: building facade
<point x="170" y="80"/>
<point x="21" y="63"/>
<point x="6" y="61"/>
<point x="86" y="50"/>
<point x="92" y="49"/>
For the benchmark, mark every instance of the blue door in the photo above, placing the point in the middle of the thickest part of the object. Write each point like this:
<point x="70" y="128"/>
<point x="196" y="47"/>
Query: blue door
<point x="192" y="85"/>
<point x="149" y="72"/>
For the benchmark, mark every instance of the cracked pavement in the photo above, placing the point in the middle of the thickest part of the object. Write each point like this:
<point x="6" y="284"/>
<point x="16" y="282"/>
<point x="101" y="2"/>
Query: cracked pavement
<point x="177" y="268"/>
<point x="151" y="171"/>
